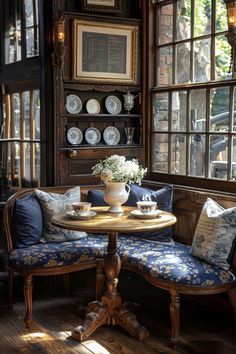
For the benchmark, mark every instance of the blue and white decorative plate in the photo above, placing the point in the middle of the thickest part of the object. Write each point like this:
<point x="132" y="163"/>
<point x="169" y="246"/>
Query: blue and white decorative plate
<point x="73" y="104"/>
<point x="92" y="136"/>
<point x="74" y="136"/>
<point x="113" y="105"/>
<point x="111" y="135"/>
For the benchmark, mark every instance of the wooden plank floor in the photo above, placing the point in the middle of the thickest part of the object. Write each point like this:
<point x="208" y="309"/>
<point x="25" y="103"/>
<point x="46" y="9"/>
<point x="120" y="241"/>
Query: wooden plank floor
<point x="203" y="330"/>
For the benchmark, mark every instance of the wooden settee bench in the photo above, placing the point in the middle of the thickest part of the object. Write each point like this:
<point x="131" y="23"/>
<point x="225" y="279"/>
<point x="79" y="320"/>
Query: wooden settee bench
<point x="166" y="266"/>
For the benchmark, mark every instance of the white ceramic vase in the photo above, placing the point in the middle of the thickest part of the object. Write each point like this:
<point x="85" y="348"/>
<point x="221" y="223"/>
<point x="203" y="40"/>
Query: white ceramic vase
<point x="115" y="195"/>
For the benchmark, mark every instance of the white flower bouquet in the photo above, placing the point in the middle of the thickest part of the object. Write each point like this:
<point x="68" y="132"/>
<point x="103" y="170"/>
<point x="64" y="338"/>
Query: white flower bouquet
<point x="117" y="168"/>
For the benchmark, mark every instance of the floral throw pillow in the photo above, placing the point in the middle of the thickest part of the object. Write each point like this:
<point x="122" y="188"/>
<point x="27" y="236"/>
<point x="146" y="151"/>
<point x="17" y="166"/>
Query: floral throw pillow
<point x="53" y="203"/>
<point x="215" y="234"/>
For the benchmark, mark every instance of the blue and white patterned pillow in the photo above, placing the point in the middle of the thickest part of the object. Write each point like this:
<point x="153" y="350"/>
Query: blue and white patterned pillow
<point x="215" y="233"/>
<point x="53" y="203"/>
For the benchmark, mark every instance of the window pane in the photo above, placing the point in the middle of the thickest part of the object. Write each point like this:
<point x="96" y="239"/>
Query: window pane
<point x="160" y="153"/>
<point x="221" y="16"/>
<point x="165" y="66"/>
<point x="202" y="17"/>
<point x="198" y="110"/>
<point x="15" y="164"/>
<point x="160" y="111"/>
<point x="12" y="31"/>
<point x="219" y="120"/>
<point x="166" y="24"/>
<point x="202" y="60"/>
<point x="37" y="113"/>
<point x="32" y="42"/>
<point x="182" y="63"/>
<point x="16" y="116"/>
<point x="178" y="154"/>
<point x="26" y="99"/>
<point x="37" y="181"/>
<point x="222" y="59"/>
<point x="218" y="156"/>
<point x="27" y="179"/>
<point x="29" y="14"/>
<point x="179" y="111"/>
<point x="32" y="35"/>
<point x="175" y="106"/>
<point x="197" y="155"/>
<point x="183" y="21"/>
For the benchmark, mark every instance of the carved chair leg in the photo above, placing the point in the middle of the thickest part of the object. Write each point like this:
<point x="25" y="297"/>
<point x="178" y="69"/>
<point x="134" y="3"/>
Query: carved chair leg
<point x="175" y="317"/>
<point x="66" y="279"/>
<point x="100" y="278"/>
<point x="28" y="290"/>
<point x="10" y="289"/>
<point x="232" y="297"/>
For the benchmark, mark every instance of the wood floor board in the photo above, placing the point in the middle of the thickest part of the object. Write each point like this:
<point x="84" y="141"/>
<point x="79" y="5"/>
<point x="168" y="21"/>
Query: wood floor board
<point x="203" y="331"/>
<point x="60" y="326"/>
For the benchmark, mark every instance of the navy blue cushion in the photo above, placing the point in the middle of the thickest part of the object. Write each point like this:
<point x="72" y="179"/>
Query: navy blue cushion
<point x="96" y="198"/>
<point x="27" y="221"/>
<point x="163" y="197"/>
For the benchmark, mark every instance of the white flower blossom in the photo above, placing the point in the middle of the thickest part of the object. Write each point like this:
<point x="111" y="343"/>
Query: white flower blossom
<point x="117" y="169"/>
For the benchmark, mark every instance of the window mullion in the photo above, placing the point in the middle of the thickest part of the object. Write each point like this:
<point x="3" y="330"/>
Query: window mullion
<point x="32" y="137"/>
<point x="169" y="128"/>
<point x="230" y="137"/>
<point x="22" y="136"/>
<point x="207" y="139"/>
<point x="187" y="134"/>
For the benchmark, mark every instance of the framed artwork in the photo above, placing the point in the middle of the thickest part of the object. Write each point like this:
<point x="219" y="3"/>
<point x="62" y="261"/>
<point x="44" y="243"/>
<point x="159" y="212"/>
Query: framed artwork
<point x="102" y="5"/>
<point x="105" y="52"/>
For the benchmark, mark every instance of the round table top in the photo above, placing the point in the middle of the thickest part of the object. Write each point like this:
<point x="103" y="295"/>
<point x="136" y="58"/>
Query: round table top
<point x="105" y="221"/>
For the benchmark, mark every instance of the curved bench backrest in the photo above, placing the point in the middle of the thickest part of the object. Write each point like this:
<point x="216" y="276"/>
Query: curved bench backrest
<point x="187" y="208"/>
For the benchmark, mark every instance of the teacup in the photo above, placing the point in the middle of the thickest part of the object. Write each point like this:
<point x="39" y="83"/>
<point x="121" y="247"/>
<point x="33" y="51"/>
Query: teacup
<point x="81" y="207"/>
<point x="146" y="206"/>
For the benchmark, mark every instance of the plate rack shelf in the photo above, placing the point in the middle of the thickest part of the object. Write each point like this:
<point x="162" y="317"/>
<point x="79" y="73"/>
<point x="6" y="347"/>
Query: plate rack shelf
<point x="106" y="102"/>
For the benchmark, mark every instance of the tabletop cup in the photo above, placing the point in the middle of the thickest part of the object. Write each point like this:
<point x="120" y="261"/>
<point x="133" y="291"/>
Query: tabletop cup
<point x="146" y="206"/>
<point x="81" y="207"/>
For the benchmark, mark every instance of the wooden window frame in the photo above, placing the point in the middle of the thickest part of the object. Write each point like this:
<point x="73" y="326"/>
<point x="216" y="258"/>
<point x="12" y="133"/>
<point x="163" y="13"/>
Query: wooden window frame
<point x="177" y="179"/>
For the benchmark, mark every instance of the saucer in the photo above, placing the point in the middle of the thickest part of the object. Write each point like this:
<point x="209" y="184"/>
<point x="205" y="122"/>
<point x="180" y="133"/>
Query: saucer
<point x="139" y="215"/>
<point x="81" y="215"/>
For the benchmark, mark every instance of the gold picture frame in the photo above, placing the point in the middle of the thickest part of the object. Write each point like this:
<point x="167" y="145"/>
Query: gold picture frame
<point x="113" y="6"/>
<point x="105" y="52"/>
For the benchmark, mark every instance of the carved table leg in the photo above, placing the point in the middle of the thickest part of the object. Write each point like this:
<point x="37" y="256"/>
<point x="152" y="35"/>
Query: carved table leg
<point x="109" y="310"/>
<point x="126" y="319"/>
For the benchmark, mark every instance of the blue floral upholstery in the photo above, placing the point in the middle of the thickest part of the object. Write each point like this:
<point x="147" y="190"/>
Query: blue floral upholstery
<point x="44" y="255"/>
<point x="172" y="263"/>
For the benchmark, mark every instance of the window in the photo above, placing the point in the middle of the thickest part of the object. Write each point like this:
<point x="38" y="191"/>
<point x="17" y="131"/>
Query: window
<point x="20" y="139"/>
<point x="193" y="117"/>
<point x="21" y="30"/>
<point x="20" y="112"/>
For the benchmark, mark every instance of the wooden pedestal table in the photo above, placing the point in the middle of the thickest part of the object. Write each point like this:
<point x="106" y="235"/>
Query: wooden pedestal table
<point x="110" y="310"/>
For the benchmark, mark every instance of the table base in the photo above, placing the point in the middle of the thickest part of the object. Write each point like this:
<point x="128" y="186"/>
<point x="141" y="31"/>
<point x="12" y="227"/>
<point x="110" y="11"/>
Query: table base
<point x="110" y="312"/>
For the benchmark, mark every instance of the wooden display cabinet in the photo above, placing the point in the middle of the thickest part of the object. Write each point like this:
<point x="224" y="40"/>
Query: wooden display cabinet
<point x="75" y="154"/>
